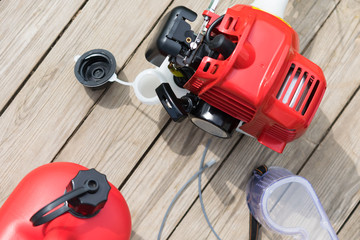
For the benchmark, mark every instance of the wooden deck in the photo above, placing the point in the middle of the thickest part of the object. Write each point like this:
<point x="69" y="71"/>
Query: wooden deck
<point x="47" y="116"/>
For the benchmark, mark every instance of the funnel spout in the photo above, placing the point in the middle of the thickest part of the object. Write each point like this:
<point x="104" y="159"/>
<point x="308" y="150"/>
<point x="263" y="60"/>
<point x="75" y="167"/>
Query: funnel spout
<point x="274" y="7"/>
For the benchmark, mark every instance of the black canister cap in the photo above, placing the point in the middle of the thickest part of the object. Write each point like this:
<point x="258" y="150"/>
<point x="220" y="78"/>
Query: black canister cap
<point x="91" y="202"/>
<point x="85" y="196"/>
<point x="95" y="68"/>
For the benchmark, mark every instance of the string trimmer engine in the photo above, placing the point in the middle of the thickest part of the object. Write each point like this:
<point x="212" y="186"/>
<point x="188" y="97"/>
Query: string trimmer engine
<point x="243" y="71"/>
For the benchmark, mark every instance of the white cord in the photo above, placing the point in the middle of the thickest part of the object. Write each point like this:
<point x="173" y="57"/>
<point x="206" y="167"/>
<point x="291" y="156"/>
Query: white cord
<point x="182" y="189"/>
<point x="123" y="82"/>
<point x="115" y="79"/>
<point x="200" y="194"/>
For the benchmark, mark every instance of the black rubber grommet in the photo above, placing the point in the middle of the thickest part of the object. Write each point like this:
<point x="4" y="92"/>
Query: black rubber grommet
<point x="95" y="68"/>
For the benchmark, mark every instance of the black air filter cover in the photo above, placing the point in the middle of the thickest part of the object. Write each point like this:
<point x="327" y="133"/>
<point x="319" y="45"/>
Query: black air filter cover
<point x="171" y="35"/>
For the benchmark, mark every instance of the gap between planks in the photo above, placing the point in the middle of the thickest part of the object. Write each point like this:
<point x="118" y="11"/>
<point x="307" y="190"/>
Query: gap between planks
<point x="206" y="184"/>
<point x="122" y="67"/>
<point x="348" y="219"/>
<point x="238" y="142"/>
<point x="104" y="92"/>
<point x="7" y="104"/>
<point x="324" y="134"/>
<point x="162" y="130"/>
<point x="330" y="127"/>
<point x="321" y="26"/>
<point x="144" y="155"/>
<point x="91" y="109"/>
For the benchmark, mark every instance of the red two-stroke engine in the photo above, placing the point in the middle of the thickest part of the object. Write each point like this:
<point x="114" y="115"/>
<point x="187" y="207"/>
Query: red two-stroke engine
<point x="245" y="72"/>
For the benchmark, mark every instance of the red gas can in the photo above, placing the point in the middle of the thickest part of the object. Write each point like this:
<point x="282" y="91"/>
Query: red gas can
<point x="96" y="209"/>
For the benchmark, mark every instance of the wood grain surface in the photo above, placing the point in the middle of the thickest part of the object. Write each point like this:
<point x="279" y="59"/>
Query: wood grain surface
<point x="119" y="119"/>
<point x="334" y="168"/>
<point x="54" y="118"/>
<point x="227" y="204"/>
<point x="28" y="28"/>
<point x="351" y="229"/>
<point x="52" y="104"/>
<point x="123" y="148"/>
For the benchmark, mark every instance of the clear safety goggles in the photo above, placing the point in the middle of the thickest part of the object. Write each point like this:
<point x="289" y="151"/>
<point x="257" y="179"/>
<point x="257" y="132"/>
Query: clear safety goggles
<point x="287" y="203"/>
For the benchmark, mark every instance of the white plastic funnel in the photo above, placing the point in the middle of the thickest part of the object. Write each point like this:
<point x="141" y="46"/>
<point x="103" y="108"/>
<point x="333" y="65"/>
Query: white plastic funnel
<point x="148" y="80"/>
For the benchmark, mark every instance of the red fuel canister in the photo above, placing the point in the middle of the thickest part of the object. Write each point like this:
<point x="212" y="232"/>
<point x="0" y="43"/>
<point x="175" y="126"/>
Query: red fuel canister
<point x="65" y="201"/>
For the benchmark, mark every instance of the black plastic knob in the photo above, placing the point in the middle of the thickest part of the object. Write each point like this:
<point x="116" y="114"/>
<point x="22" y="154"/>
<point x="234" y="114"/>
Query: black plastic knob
<point x="90" y="203"/>
<point x="222" y="45"/>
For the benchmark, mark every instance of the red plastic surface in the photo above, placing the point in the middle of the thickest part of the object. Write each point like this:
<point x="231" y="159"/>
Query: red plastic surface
<point x="45" y="184"/>
<point x="247" y="85"/>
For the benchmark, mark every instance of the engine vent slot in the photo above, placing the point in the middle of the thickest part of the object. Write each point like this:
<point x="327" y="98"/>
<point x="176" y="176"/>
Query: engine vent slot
<point x="286" y="81"/>
<point x="299" y="87"/>
<point x="229" y="104"/>
<point x="310" y="97"/>
<point x="214" y="69"/>
<point x="228" y="23"/>
<point x="282" y="133"/>
<point x="206" y="67"/>
<point x="196" y="85"/>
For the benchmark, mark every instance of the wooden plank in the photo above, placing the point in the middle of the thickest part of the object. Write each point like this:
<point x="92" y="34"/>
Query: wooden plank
<point x="149" y="176"/>
<point x="61" y="129"/>
<point x="334" y="168"/>
<point x="225" y="198"/>
<point x="338" y="56"/>
<point x="52" y="104"/>
<point x="171" y="162"/>
<point x="27" y="30"/>
<point x="107" y="144"/>
<point x="125" y="133"/>
<point x="351" y="230"/>
<point x="306" y="17"/>
<point x="116" y="142"/>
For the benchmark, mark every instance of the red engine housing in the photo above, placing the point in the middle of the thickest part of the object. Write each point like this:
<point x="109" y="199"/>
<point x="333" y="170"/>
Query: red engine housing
<point x="265" y="83"/>
<point x="43" y="185"/>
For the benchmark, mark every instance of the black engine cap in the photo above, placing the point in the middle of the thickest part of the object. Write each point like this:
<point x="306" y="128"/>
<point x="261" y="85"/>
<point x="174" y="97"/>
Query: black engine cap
<point x="89" y="203"/>
<point x="95" y="68"/>
<point x="213" y="120"/>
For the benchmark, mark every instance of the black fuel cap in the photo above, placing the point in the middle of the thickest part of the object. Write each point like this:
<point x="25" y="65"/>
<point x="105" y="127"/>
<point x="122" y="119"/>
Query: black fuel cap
<point x="95" y="68"/>
<point x="91" y="202"/>
<point x="85" y="196"/>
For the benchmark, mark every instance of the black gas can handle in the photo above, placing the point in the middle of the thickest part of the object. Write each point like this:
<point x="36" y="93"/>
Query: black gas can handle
<point x="45" y="215"/>
<point x="85" y="196"/>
